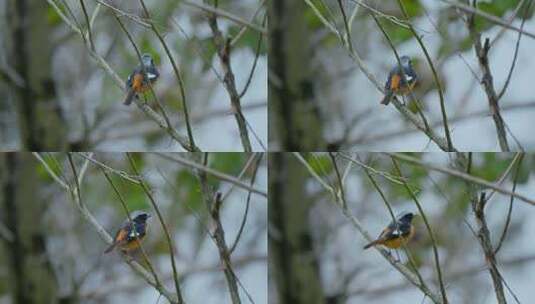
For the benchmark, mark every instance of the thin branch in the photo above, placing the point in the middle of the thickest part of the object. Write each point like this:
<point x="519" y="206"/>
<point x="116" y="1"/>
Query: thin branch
<point x="242" y="225"/>
<point x="478" y="207"/>
<point x="223" y="48"/>
<point x="341" y="191"/>
<point x="224" y="253"/>
<point x="226" y="15"/>
<point x="517" y="46"/>
<point x="405" y="131"/>
<point x="462" y="175"/>
<point x="482" y="52"/>
<point x="123" y="174"/>
<point x="435" y="76"/>
<point x="177" y="73"/>
<point x="164" y="227"/>
<point x="429" y="230"/>
<point x="222" y="176"/>
<point x="130" y="220"/>
<point x="314" y="174"/>
<point x="89" y="32"/>
<point x="510" y="210"/>
<point x="488" y="17"/>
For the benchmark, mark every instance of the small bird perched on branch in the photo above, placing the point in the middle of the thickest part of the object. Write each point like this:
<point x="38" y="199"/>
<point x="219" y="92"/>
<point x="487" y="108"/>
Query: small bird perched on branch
<point x="131" y="233"/>
<point x="141" y="78"/>
<point x="397" y="233"/>
<point x="396" y="84"/>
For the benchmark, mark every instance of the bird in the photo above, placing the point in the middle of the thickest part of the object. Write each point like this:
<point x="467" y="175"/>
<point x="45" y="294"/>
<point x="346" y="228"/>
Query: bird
<point x="397" y="233"/>
<point x="131" y="233"/>
<point x="396" y="84"/>
<point x="140" y="78"/>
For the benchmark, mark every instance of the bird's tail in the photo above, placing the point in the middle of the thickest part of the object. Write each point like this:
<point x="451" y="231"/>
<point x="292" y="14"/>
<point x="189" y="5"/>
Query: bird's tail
<point x="387" y="98"/>
<point x="376" y="242"/>
<point x="110" y="248"/>
<point x="129" y="97"/>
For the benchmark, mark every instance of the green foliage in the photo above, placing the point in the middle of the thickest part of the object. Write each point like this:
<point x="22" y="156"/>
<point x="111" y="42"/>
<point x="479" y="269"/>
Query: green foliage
<point x="493" y="165"/>
<point x="188" y="189"/>
<point x="496" y="8"/>
<point x="134" y="196"/>
<point x="52" y="16"/>
<point x="414" y="175"/>
<point x="249" y="40"/>
<point x="230" y="163"/>
<point x="313" y="21"/>
<point x="396" y="33"/>
<point x="208" y="50"/>
<point x="413" y="8"/>
<point x="320" y="163"/>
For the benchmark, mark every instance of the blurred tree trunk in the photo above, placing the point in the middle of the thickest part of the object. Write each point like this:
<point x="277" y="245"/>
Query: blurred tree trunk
<point x="41" y="125"/>
<point x="294" y="123"/>
<point x="31" y="277"/>
<point x="293" y="265"/>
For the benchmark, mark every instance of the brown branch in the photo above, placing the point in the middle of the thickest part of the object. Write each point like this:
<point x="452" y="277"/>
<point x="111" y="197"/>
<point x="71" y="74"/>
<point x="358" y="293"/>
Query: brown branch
<point x="224" y="254"/>
<point x="482" y="51"/>
<point x="223" y="48"/>
<point x="478" y="207"/>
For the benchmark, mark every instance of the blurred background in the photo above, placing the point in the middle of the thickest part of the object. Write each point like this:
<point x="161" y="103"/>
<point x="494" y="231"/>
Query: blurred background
<point x="316" y="252"/>
<point x="51" y="253"/>
<point x="56" y="93"/>
<point x="335" y="106"/>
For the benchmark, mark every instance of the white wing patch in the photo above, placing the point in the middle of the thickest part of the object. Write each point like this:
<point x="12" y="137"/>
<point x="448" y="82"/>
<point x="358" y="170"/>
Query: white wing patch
<point x="151" y="75"/>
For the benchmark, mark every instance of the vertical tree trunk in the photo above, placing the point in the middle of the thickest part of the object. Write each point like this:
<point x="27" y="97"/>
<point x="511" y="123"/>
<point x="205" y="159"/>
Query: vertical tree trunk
<point x="293" y="265"/>
<point x="31" y="278"/>
<point x="294" y="118"/>
<point x="41" y="124"/>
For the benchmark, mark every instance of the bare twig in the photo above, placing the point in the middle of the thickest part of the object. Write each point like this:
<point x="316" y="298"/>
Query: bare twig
<point x="488" y="17"/>
<point x="224" y="253"/>
<point x="478" y="207"/>
<point x="429" y="230"/>
<point x="435" y="75"/>
<point x="462" y="175"/>
<point x="482" y="52"/>
<point x="223" y="48"/>
<point x="130" y="220"/>
<point x="222" y="176"/>
<point x="510" y="210"/>
<point x="341" y="192"/>
<point x="164" y="227"/>
<point x="226" y="15"/>
<point x="515" y="56"/>
<point x="242" y="225"/>
<point x="177" y="73"/>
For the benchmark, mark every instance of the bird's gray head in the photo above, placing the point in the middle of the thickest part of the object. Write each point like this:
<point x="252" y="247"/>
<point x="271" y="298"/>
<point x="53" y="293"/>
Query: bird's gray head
<point x="139" y="216"/>
<point x="405" y="60"/>
<point x="147" y="60"/>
